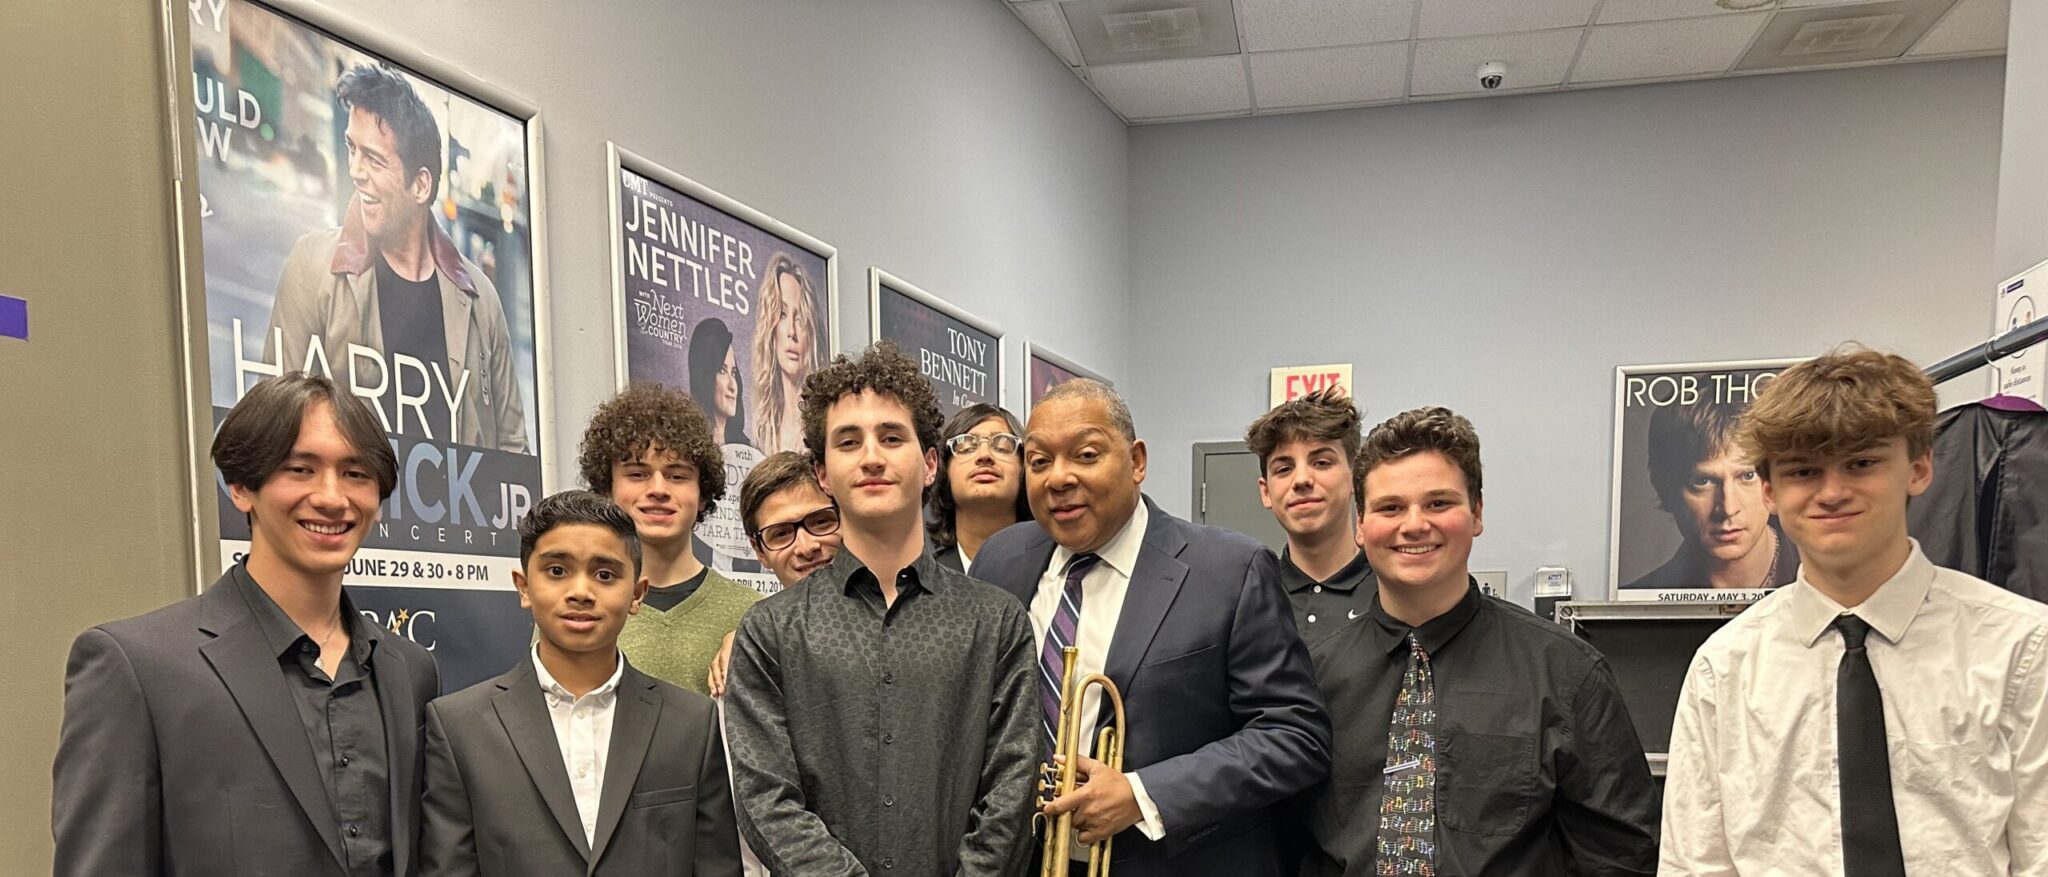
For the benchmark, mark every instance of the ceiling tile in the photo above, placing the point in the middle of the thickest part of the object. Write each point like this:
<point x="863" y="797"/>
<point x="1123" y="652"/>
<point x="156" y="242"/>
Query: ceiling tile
<point x="1973" y="26"/>
<point x="1534" y="60"/>
<point x="1464" y="18"/>
<point x="1349" y="75"/>
<point x="1184" y="87"/>
<point x="1660" y="49"/>
<point x="1045" y="20"/>
<point x="1130" y="31"/>
<point x="1270" y="25"/>
<point x="1624" y="11"/>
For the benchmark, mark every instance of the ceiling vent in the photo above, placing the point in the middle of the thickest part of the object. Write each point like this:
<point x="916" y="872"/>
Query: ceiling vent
<point x="1828" y="35"/>
<point x="1126" y="31"/>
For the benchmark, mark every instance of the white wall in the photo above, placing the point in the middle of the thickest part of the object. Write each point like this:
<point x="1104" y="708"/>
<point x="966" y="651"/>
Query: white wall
<point x="2022" y="240"/>
<point x="1501" y="257"/>
<point x="940" y="141"/>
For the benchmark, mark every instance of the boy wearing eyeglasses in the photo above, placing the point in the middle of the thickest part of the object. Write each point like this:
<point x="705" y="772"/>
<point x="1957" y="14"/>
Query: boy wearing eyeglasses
<point x="980" y="488"/>
<point x="792" y="524"/>
<point x="651" y="451"/>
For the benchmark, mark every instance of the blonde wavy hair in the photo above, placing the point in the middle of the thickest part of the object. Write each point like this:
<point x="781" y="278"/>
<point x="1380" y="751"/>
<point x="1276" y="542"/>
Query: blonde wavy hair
<point x="769" y="399"/>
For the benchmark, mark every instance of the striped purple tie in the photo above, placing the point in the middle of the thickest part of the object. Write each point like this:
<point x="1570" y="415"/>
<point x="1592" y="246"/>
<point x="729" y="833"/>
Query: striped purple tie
<point x="1066" y="621"/>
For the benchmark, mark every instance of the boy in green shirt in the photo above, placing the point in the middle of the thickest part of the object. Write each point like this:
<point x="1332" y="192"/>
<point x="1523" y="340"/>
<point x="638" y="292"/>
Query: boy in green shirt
<point x="650" y="449"/>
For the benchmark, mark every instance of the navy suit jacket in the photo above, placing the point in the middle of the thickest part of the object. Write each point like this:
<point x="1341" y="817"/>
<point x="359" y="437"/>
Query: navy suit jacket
<point x="1225" y="718"/>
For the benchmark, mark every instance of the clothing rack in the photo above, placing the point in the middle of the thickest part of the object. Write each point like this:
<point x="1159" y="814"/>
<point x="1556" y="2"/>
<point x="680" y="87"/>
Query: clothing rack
<point x="1990" y="351"/>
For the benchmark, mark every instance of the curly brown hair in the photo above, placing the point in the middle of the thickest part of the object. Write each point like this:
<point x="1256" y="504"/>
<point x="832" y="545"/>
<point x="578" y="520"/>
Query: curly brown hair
<point x="1839" y="403"/>
<point x="1321" y="416"/>
<point x="648" y="415"/>
<point x="1408" y="433"/>
<point x="882" y="368"/>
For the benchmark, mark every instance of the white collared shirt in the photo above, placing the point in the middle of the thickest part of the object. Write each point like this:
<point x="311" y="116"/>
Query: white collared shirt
<point x="1102" y="603"/>
<point x="1753" y="788"/>
<point x="583" y="730"/>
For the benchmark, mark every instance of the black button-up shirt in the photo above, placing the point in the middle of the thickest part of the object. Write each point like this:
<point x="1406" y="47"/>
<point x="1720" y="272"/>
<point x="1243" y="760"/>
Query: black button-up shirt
<point x="885" y="738"/>
<point x="343" y="722"/>
<point x="1325" y="607"/>
<point x="1540" y="771"/>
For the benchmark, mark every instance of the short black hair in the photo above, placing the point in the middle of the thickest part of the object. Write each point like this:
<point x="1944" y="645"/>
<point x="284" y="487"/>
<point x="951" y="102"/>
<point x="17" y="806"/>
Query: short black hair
<point x="939" y="526"/>
<point x="387" y="94"/>
<point x="259" y="432"/>
<point x="577" y="507"/>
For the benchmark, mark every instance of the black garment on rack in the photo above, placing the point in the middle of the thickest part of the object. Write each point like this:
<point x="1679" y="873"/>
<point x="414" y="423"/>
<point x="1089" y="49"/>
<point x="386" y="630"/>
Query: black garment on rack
<point x="1986" y="513"/>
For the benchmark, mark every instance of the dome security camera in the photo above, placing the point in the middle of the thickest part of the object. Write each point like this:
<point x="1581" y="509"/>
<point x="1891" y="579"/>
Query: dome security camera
<point x="1492" y="74"/>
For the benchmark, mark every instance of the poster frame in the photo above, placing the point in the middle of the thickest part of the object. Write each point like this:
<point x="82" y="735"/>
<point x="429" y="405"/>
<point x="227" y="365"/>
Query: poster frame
<point x="619" y="158"/>
<point x="1621" y="376"/>
<point x="1033" y="349"/>
<point x="878" y="278"/>
<point x="189" y="246"/>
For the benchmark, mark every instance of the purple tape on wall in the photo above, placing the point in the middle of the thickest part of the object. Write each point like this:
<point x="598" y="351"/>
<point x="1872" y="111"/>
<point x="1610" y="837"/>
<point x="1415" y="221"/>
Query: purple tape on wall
<point x="13" y="317"/>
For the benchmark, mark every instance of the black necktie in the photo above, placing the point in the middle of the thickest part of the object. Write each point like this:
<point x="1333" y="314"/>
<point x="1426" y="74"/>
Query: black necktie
<point x="1870" y="826"/>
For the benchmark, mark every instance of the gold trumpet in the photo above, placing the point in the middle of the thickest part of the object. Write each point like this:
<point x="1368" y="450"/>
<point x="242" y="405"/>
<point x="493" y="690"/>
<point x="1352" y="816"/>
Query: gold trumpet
<point x="1057" y="778"/>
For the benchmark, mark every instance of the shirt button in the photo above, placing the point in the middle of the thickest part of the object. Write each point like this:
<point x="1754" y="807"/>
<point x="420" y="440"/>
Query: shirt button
<point x="1311" y="619"/>
<point x="888" y="863"/>
<point x="888" y="679"/>
<point x="889" y="801"/>
<point x="888" y="738"/>
<point x="346" y="759"/>
<point x="1318" y="589"/>
<point x="354" y="831"/>
<point x="582" y="772"/>
<point x="305" y="648"/>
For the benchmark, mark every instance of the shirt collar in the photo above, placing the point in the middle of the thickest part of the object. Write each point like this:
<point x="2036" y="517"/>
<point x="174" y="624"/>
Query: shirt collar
<point x="557" y="694"/>
<point x="1388" y="633"/>
<point x="1345" y="580"/>
<point x="1889" y="611"/>
<point x="282" y="634"/>
<point x="922" y="574"/>
<point x="352" y="251"/>
<point x="1120" y="553"/>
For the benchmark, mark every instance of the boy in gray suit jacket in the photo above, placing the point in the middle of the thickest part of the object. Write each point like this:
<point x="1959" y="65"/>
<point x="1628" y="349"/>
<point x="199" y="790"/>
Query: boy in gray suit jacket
<point x="573" y="762"/>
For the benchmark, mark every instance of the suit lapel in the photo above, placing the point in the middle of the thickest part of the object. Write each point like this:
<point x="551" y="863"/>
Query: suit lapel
<point x="1036" y="559"/>
<point x="242" y="658"/>
<point x="523" y="711"/>
<point x="1155" y="582"/>
<point x="401" y="742"/>
<point x="637" y="712"/>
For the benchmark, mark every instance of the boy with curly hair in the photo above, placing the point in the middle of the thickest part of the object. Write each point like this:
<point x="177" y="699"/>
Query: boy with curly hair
<point x="882" y="718"/>
<point x="651" y="451"/>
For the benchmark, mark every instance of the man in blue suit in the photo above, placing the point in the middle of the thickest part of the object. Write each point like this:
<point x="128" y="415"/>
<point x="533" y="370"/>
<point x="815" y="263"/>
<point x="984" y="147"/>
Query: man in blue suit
<point x="1191" y="623"/>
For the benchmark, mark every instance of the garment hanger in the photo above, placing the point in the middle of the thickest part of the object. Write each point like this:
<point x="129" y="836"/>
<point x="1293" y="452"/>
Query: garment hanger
<point x="1999" y="400"/>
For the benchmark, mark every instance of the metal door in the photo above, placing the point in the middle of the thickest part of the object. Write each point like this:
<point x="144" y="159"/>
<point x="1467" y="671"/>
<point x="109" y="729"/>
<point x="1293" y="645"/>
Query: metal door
<point x="1226" y="492"/>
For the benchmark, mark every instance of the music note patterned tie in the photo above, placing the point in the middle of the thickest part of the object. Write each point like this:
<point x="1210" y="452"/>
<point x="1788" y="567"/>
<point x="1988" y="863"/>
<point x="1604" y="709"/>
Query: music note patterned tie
<point x="1870" y="825"/>
<point x="1407" y="838"/>
<point x="1066" y="622"/>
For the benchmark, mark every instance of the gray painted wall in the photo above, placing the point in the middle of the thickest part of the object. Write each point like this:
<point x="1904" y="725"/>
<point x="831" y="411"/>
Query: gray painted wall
<point x="1503" y="256"/>
<point x="2023" y="165"/>
<point x="94" y="510"/>
<point x="940" y="141"/>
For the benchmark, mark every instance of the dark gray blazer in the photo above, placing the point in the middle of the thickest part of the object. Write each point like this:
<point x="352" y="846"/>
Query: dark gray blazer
<point x="182" y="752"/>
<point x="1225" y="718"/>
<point x="498" y="800"/>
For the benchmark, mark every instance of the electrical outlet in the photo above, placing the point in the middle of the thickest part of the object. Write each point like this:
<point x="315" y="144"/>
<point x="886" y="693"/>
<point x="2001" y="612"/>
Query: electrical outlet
<point x="1493" y="582"/>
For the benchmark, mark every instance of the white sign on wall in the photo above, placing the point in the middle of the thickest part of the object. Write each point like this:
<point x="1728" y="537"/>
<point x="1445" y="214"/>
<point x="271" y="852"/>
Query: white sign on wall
<point x="1295" y="381"/>
<point x="2019" y="303"/>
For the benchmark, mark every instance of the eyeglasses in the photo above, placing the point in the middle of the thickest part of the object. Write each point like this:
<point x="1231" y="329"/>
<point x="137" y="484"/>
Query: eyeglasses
<point x="1003" y="443"/>
<point x="775" y="537"/>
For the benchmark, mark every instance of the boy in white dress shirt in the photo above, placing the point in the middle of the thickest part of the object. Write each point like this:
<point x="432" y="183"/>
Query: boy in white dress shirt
<point x="1881" y="715"/>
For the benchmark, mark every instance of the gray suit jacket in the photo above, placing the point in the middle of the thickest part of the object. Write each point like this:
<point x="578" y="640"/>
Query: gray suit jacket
<point x="498" y="800"/>
<point x="182" y="752"/>
<point x="1225" y="717"/>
